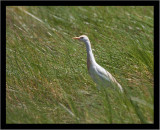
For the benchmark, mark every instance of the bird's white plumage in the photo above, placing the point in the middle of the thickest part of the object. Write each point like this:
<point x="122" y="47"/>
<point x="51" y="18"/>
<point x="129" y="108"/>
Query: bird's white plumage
<point x="99" y="75"/>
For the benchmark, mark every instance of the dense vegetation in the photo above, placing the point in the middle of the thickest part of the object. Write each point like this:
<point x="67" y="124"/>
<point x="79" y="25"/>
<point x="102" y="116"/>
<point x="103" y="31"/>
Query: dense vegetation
<point x="46" y="74"/>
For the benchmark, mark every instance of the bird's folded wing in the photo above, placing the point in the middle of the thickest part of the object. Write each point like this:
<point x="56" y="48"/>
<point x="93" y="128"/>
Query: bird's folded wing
<point x="105" y="74"/>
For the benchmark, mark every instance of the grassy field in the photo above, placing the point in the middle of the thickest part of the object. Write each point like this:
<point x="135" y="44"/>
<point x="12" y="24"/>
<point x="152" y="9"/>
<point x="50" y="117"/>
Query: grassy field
<point x="46" y="72"/>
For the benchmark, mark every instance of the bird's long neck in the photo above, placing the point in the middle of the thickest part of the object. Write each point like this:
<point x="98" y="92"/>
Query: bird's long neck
<point x="90" y="56"/>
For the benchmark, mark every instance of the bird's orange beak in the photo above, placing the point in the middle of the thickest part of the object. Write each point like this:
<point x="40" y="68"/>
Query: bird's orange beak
<point x="76" y="38"/>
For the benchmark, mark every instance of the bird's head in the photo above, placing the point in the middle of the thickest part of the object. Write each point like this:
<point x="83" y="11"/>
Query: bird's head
<point x="82" y="38"/>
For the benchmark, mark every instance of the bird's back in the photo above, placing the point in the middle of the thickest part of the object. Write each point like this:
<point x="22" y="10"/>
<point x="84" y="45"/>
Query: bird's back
<point x="103" y="77"/>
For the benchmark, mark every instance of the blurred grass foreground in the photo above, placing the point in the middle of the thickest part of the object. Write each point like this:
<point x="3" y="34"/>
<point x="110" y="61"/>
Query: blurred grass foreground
<point x="46" y="72"/>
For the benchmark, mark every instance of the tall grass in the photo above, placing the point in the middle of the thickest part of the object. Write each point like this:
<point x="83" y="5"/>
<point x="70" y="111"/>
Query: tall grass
<point x="46" y="74"/>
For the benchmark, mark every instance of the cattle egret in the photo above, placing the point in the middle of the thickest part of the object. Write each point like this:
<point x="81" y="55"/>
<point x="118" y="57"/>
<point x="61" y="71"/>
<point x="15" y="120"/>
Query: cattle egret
<point x="99" y="75"/>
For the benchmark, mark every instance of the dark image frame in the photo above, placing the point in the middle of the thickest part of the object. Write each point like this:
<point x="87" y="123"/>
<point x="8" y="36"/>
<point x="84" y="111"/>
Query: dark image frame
<point x="155" y="125"/>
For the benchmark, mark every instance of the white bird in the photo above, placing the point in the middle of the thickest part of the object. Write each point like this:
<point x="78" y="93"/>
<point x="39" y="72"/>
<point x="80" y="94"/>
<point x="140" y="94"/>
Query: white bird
<point x="99" y="75"/>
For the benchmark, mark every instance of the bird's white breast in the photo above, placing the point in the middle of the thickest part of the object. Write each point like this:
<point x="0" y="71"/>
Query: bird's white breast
<point x="98" y="78"/>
